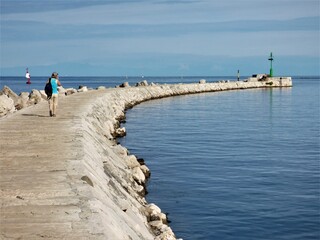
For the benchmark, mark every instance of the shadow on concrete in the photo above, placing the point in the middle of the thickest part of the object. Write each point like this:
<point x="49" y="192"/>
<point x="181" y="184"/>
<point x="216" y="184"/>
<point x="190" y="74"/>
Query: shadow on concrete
<point x="35" y="115"/>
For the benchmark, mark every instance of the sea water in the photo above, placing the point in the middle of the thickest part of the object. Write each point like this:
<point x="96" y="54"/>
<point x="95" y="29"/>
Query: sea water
<point x="240" y="164"/>
<point x="18" y="84"/>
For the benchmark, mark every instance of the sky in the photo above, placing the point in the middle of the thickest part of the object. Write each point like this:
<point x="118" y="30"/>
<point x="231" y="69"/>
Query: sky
<point x="159" y="37"/>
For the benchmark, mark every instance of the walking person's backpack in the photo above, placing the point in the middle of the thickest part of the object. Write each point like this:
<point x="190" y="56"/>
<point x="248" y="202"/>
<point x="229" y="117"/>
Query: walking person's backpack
<point x="48" y="89"/>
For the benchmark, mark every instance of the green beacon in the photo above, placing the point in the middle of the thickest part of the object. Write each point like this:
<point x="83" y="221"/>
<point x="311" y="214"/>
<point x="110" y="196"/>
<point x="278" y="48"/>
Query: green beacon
<point x="271" y="59"/>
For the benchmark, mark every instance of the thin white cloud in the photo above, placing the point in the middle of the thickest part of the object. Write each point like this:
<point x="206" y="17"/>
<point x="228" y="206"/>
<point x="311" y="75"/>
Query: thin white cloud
<point x="210" y="45"/>
<point x="17" y="30"/>
<point x="195" y="12"/>
<point x="206" y="28"/>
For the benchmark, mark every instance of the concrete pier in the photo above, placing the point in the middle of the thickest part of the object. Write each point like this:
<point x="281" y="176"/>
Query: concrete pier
<point x="65" y="177"/>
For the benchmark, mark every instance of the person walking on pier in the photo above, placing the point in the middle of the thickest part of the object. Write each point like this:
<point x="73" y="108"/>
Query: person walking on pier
<point x="53" y="100"/>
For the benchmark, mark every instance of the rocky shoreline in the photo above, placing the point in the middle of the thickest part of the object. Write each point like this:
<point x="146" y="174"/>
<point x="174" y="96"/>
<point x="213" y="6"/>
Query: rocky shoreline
<point x="105" y="183"/>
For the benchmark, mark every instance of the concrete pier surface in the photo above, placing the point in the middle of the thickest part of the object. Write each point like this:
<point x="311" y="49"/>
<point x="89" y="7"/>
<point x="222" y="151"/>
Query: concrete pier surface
<point x="65" y="177"/>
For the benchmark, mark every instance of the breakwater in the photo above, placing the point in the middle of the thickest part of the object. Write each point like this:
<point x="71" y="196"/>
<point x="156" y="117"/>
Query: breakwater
<point x="86" y="185"/>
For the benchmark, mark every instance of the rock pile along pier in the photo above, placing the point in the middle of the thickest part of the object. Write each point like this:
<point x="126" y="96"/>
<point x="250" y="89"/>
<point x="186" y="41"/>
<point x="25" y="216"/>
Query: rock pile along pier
<point x="67" y="178"/>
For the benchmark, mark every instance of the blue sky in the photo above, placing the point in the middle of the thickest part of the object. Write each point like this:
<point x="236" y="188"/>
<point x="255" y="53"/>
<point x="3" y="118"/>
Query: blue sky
<point x="159" y="37"/>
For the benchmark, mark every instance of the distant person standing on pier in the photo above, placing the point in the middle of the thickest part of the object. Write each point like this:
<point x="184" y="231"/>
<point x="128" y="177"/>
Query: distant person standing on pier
<point x="28" y="76"/>
<point x="53" y="100"/>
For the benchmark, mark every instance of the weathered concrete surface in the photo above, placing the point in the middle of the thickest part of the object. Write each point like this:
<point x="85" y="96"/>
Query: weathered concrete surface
<point x="65" y="177"/>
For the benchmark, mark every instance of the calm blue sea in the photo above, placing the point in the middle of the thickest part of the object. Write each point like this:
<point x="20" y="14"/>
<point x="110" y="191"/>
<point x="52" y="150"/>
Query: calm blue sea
<point x="239" y="164"/>
<point x="18" y="84"/>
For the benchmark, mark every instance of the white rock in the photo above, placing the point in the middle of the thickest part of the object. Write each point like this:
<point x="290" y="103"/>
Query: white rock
<point x="156" y="224"/>
<point x="120" y="132"/>
<point x="150" y="208"/>
<point x="23" y="100"/>
<point x="6" y="105"/>
<point x="138" y="188"/>
<point x="125" y="84"/>
<point x="132" y="161"/>
<point x="42" y="93"/>
<point x="163" y="218"/>
<point x="83" y="89"/>
<point x="142" y="83"/>
<point x="35" y="97"/>
<point x="11" y="94"/>
<point x="167" y="235"/>
<point x="145" y="170"/>
<point x="122" y="151"/>
<point x="70" y="91"/>
<point x="62" y="90"/>
<point x="138" y="175"/>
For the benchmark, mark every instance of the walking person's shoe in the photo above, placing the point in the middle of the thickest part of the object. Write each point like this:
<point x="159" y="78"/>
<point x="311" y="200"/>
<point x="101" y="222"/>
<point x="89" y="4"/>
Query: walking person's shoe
<point x="50" y="113"/>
